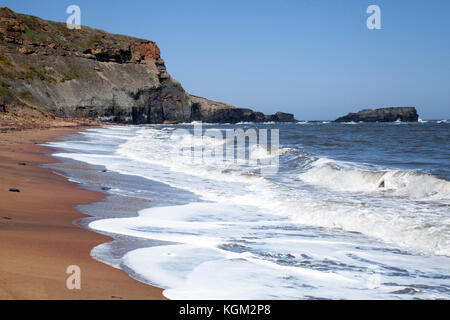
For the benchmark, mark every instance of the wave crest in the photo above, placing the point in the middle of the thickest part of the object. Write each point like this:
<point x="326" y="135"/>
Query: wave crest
<point x="340" y="177"/>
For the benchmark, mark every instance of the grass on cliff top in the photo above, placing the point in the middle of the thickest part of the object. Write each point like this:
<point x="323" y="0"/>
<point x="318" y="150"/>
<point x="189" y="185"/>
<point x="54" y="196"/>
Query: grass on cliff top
<point x="84" y="41"/>
<point x="34" y="28"/>
<point x="39" y="30"/>
<point x="45" y="31"/>
<point x="59" y="27"/>
<point x="36" y="36"/>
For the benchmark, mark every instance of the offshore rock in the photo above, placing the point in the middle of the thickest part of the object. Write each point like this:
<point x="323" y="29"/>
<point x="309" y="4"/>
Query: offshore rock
<point x="405" y="114"/>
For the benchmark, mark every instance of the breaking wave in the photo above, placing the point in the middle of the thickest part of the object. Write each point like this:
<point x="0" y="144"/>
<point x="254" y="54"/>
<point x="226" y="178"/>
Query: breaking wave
<point x="340" y="176"/>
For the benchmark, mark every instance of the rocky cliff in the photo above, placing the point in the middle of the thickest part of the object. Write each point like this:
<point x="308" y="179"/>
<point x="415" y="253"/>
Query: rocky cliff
<point x="90" y="73"/>
<point x="406" y="114"/>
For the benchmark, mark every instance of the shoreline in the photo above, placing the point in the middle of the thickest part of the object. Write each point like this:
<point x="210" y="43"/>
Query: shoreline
<point x="38" y="234"/>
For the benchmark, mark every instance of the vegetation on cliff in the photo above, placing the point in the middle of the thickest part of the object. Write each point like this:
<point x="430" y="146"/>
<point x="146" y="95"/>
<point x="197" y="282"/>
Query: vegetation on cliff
<point x="89" y="73"/>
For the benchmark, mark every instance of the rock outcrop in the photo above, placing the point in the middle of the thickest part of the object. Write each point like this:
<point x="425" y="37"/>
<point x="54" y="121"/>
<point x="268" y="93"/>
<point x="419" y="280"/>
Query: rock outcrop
<point x="391" y="114"/>
<point x="219" y="112"/>
<point x="89" y="73"/>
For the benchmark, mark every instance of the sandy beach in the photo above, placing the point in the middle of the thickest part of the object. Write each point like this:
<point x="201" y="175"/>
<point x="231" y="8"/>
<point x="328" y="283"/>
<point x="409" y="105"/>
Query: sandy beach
<point x="38" y="236"/>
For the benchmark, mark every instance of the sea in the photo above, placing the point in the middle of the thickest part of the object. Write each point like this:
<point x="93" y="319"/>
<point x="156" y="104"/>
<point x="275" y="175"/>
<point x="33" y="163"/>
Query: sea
<point x="306" y="210"/>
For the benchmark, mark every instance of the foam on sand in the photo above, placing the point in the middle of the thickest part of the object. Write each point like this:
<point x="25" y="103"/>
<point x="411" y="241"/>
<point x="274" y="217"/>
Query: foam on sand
<point x="317" y="218"/>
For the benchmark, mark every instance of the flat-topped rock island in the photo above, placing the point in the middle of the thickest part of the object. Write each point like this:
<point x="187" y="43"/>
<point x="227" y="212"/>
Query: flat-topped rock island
<point x="390" y="114"/>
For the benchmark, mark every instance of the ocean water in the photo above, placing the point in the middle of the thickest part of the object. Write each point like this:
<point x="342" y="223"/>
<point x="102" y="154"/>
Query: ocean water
<point x="347" y="211"/>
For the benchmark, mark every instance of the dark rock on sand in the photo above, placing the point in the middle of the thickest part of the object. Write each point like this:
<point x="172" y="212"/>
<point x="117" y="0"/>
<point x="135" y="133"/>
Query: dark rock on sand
<point x="405" y="114"/>
<point x="14" y="190"/>
<point x="22" y="164"/>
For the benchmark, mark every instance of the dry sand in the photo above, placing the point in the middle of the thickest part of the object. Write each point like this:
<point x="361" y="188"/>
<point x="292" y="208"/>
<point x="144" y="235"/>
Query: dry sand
<point x="38" y="236"/>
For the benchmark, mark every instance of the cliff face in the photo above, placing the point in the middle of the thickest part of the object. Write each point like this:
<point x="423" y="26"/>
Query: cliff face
<point x="91" y="73"/>
<point x="406" y="114"/>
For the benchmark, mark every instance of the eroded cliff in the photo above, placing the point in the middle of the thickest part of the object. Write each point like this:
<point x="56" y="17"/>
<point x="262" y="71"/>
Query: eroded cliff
<point x="90" y="73"/>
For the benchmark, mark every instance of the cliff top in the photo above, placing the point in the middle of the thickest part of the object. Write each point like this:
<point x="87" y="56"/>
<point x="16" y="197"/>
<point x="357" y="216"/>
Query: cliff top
<point x="50" y="70"/>
<point x="35" y="34"/>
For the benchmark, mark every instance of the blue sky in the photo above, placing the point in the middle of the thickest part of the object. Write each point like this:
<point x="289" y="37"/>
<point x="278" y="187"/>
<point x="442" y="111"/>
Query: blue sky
<point x="313" y="58"/>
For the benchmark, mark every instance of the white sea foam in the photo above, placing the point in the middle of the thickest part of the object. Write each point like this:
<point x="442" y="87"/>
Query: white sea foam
<point x="245" y="211"/>
<point x="209" y="274"/>
<point x="339" y="176"/>
<point x="351" y="122"/>
<point x="202" y="267"/>
<point x="227" y="182"/>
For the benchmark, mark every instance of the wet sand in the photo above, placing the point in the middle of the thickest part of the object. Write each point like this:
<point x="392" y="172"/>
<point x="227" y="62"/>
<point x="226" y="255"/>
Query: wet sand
<point x="38" y="236"/>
